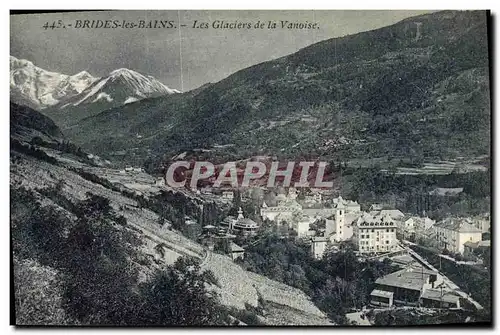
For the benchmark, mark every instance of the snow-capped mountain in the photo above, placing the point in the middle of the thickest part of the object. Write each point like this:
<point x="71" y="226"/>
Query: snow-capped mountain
<point x="71" y="98"/>
<point x="37" y="88"/>
<point x="122" y="86"/>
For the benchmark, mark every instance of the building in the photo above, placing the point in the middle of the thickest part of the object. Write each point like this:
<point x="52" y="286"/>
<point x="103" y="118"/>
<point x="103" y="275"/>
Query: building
<point x="229" y="195"/>
<point x="474" y="249"/>
<point x="349" y="205"/>
<point x="482" y="222"/>
<point x="318" y="246"/>
<point x="434" y="298"/>
<point x="286" y="207"/>
<point x="404" y="287"/>
<point x="407" y="227"/>
<point x="414" y="226"/>
<point x="452" y="233"/>
<point x="374" y="234"/>
<point x="394" y="214"/>
<point x="339" y="222"/>
<point x="381" y="298"/>
<point x="243" y="225"/>
<point x="376" y="207"/>
<point x="235" y="251"/>
<point x="315" y="196"/>
<point x="424" y="229"/>
<point x="206" y="190"/>
<point x="300" y="224"/>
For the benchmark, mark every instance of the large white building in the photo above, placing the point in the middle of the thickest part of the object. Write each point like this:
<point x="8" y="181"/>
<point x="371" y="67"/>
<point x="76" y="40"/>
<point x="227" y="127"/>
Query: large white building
<point x="301" y="223"/>
<point x="286" y="207"/>
<point x="374" y="234"/>
<point x="453" y="233"/>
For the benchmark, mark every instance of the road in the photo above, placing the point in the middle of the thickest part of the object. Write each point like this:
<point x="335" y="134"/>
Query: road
<point x="446" y="280"/>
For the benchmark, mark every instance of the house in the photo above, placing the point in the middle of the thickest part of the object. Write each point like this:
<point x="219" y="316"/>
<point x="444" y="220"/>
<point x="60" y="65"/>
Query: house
<point x="473" y="249"/>
<point x="404" y="287"/>
<point x="235" y="251"/>
<point x="424" y="229"/>
<point x="482" y="222"/>
<point x="407" y="227"/>
<point x="402" y="261"/>
<point x="376" y="207"/>
<point x="318" y="246"/>
<point x="381" y="298"/>
<point x="206" y="190"/>
<point x="394" y="214"/>
<point x="415" y="226"/>
<point x="373" y="234"/>
<point x="434" y="298"/>
<point x="452" y="233"/>
<point x="300" y="224"/>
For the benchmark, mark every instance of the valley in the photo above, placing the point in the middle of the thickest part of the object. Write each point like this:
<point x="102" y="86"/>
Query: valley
<point x="395" y="122"/>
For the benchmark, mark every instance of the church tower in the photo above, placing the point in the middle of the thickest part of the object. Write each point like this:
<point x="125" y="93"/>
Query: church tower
<point x="339" y="220"/>
<point x="240" y="214"/>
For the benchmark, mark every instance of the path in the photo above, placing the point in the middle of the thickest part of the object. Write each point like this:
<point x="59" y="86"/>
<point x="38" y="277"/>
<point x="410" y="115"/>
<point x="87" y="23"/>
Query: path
<point x="446" y="280"/>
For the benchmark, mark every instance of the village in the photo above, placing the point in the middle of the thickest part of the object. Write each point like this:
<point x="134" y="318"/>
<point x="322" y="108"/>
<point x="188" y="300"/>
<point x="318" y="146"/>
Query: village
<point x="328" y="223"/>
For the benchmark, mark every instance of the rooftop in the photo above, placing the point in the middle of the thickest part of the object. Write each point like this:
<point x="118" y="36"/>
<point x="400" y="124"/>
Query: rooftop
<point x="408" y="279"/>
<point x="245" y="223"/>
<point x="393" y="213"/>
<point x="383" y="294"/>
<point x="403" y="259"/>
<point x="236" y="248"/>
<point x="433" y="294"/>
<point x="479" y="244"/>
<point x="368" y="219"/>
<point x="458" y="225"/>
<point x="319" y="239"/>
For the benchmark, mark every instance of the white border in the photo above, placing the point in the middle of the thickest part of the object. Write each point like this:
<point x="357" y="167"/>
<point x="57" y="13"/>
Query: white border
<point x="187" y="4"/>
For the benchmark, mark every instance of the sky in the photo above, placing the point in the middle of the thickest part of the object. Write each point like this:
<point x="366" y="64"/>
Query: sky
<point x="182" y="57"/>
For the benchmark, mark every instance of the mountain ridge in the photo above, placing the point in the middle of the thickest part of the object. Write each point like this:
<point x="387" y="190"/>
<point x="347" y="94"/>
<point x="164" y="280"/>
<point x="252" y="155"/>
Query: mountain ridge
<point x="39" y="89"/>
<point x="418" y="88"/>
<point x="67" y="99"/>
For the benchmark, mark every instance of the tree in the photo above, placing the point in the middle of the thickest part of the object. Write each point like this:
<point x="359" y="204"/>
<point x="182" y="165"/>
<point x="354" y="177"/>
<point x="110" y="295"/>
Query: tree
<point x="178" y="295"/>
<point x="99" y="275"/>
